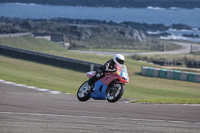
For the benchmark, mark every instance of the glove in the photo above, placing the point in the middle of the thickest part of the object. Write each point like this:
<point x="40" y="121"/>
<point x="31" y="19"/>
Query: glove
<point x="115" y="70"/>
<point x="106" y="69"/>
<point x="98" y="75"/>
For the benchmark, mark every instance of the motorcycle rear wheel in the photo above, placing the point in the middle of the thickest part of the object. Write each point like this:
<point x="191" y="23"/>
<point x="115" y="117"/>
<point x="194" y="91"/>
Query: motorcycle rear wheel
<point x="114" y="93"/>
<point x="83" y="93"/>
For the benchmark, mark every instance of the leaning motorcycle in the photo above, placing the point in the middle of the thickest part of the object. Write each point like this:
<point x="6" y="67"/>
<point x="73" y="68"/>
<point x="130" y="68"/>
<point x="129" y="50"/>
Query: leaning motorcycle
<point x="111" y="87"/>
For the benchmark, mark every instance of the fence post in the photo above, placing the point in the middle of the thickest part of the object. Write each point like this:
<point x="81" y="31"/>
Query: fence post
<point x="164" y="47"/>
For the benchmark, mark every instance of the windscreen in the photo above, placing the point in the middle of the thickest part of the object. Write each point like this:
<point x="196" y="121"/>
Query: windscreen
<point x="124" y="68"/>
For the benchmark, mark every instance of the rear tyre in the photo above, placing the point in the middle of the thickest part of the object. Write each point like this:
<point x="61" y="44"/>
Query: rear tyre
<point x="83" y="93"/>
<point x="114" y="93"/>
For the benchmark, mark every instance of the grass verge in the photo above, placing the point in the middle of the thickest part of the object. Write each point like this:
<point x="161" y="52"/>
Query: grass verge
<point x="40" y="75"/>
<point x="170" y="101"/>
<point x="65" y="80"/>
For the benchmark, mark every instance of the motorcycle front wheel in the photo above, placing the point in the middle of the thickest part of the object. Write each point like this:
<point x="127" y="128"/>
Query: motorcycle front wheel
<point x="115" y="92"/>
<point x="83" y="93"/>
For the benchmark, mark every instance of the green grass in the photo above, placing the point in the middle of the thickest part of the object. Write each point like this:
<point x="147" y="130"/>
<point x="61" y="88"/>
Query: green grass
<point x="39" y="75"/>
<point x="50" y="77"/>
<point x="170" y="101"/>
<point x="45" y="46"/>
<point x="64" y="80"/>
<point x="30" y="43"/>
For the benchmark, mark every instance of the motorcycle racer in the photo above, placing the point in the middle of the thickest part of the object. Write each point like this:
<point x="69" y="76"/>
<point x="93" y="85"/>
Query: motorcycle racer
<point x="118" y="60"/>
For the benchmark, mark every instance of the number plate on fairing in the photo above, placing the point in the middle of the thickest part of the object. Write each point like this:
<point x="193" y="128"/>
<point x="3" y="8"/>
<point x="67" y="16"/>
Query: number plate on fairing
<point x="124" y="75"/>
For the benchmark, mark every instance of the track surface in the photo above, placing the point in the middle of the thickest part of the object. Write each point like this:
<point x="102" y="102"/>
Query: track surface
<point x="29" y="111"/>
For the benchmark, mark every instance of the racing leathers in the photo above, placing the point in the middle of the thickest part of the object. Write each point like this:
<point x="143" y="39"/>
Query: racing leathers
<point x="110" y="64"/>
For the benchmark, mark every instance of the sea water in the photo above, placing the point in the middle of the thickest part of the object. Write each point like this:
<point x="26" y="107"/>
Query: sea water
<point x="150" y="15"/>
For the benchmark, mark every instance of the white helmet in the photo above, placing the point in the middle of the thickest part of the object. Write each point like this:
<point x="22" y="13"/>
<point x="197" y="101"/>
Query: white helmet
<point x="119" y="59"/>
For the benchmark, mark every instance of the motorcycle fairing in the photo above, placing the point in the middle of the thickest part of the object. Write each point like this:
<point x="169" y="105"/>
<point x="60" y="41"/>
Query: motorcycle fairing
<point x="90" y="74"/>
<point x="124" y="75"/>
<point x="99" y="90"/>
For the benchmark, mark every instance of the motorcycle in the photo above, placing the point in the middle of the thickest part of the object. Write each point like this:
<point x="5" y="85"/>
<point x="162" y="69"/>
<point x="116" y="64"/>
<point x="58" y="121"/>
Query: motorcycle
<point x="111" y="87"/>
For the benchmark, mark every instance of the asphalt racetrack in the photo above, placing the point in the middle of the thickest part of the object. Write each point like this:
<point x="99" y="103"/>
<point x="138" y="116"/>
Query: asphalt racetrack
<point x="24" y="110"/>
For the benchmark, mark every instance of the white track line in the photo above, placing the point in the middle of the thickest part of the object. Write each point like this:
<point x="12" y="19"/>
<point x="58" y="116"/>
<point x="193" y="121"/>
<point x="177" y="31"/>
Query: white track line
<point x="93" y="117"/>
<point x="32" y="87"/>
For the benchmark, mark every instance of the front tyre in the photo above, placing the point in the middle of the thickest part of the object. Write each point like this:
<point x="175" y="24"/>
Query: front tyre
<point x="114" y="93"/>
<point x="83" y="93"/>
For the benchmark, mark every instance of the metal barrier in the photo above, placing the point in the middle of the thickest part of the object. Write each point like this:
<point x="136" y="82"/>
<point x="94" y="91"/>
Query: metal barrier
<point x="73" y="64"/>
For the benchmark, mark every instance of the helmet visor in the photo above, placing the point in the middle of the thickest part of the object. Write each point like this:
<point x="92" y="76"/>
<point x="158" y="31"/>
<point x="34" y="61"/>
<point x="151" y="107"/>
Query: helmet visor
<point x="120" y="61"/>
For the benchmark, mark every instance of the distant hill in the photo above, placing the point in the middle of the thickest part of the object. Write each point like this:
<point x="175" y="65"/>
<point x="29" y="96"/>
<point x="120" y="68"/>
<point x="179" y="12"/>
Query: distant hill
<point x="115" y="3"/>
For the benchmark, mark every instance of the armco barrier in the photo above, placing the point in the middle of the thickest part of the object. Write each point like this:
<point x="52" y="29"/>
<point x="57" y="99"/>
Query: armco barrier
<point x="59" y="61"/>
<point x="169" y="74"/>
